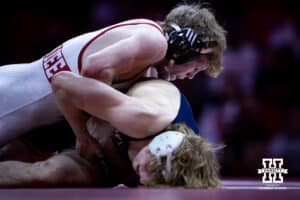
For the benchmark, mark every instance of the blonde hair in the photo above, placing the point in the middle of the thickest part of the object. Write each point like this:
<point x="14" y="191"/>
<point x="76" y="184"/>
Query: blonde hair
<point x="203" y="21"/>
<point x="194" y="163"/>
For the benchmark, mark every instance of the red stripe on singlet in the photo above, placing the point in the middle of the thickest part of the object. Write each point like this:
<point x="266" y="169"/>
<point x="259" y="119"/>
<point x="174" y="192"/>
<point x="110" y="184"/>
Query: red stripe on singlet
<point x="106" y="30"/>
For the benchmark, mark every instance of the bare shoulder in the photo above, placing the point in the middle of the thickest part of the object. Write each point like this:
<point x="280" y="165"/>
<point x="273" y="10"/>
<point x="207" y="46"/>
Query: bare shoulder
<point x="149" y="31"/>
<point x="160" y="96"/>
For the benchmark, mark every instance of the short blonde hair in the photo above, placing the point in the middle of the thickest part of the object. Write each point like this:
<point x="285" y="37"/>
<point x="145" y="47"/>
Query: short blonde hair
<point x="194" y="163"/>
<point x="203" y="21"/>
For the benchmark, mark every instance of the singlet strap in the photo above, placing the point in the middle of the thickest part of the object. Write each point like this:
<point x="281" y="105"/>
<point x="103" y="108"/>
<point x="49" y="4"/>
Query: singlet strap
<point x="129" y="138"/>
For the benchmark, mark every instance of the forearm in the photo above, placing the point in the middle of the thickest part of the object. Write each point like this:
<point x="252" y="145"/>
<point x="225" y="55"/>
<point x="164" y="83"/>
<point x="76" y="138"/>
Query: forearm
<point x="17" y="174"/>
<point x="65" y="87"/>
<point x="85" y="93"/>
<point x="69" y="102"/>
<point x="75" y="117"/>
<point x="62" y="170"/>
<point x="106" y="103"/>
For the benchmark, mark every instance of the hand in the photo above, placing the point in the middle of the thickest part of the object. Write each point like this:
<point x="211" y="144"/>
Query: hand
<point x="88" y="148"/>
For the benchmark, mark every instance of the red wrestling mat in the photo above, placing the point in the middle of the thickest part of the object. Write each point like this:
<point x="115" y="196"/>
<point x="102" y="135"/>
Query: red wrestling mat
<point x="231" y="190"/>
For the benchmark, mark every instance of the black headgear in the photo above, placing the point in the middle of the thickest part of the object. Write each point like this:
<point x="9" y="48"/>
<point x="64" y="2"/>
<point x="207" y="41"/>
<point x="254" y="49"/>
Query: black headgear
<point x="183" y="44"/>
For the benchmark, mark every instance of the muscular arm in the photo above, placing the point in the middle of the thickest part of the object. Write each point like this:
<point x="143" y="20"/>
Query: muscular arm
<point x="62" y="170"/>
<point x="134" y="53"/>
<point x="147" y="111"/>
<point x="139" y="50"/>
<point x="77" y="119"/>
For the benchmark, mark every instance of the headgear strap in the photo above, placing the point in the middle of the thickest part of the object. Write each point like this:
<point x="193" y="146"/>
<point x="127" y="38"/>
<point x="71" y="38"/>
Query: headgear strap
<point x="165" y="144"/>
<point x="184" y="44"/>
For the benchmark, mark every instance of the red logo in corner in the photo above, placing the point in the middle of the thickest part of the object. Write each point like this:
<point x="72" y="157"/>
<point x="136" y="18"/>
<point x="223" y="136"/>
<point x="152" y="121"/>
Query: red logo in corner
<point x="54" y="62"/>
